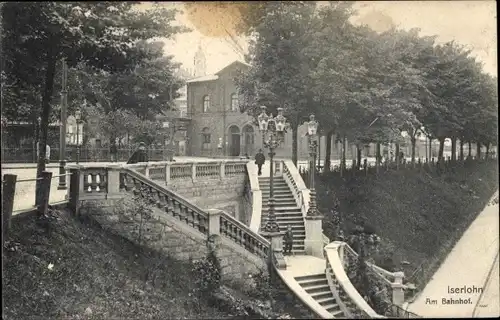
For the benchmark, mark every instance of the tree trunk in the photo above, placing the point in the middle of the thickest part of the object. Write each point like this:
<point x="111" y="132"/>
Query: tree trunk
<point x="470" y="149"/>
<point x="430" y="149"/>
<point x="461" y="150"/>
<point x="413" y="146"/>
<point x="358" y="162"/>
<point x="44" y="122"/>
<point x="294" y="144"/>
<point x="441" y="149"/>
<point x="487" y="151"/>
<point x="343" y="164"/>
<point x="478" y="152"/>
<point x="397" y="157"/>
<point x="453" y="149"/>
<point x="377" y="157"/>
<point x="328" y="150"/>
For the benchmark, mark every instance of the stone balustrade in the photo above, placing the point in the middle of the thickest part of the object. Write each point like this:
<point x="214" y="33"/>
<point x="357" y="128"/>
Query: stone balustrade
<point x="110" y="182"/>
<point x="352" y="301"/>
<point x="297" y="185"/>
<point x="391" y="281"/>
<point x="168" y="172"/>
<point x="256" y="196"/>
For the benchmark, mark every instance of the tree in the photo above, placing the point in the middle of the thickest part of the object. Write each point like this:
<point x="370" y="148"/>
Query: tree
<point x="279" y="53"/>
<point x="38" y="35"/>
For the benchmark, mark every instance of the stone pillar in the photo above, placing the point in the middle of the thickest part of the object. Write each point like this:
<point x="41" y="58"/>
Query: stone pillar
<point x="213" y="222"/>
<point x="193" y="172"/>
<point x="168" y="167"/>
<point x="222" y="169"/>
<point x="341" y="252"/>
<point x="314" y="236"/>
<point x="398" y="295"/>
<point x="276" y="253"/>
<point x="114" y="179"/>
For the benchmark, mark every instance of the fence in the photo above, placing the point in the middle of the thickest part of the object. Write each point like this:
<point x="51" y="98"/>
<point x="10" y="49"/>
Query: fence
<point x="28" y="155"/>
<point x="20" y="196"/>
<point x="369" y="167"/>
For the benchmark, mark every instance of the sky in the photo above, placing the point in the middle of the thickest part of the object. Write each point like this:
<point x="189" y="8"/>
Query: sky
<point x="470" y="23"/>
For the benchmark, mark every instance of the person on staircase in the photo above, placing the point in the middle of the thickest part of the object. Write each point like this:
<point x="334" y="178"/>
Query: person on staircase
<point x="259" y="160"/>
<point x="288" y="238"/>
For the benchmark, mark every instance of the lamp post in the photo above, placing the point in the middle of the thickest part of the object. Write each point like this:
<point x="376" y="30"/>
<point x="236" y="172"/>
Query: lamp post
<point x="272" y="130"/>
<point x="62" y="132"/>
<point x="78" y="117"/>
<point x="312" y="129"/>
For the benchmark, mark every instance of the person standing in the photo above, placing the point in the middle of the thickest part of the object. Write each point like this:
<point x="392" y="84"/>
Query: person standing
<point x="288" y="238"/>
<point x="259" y="160"/>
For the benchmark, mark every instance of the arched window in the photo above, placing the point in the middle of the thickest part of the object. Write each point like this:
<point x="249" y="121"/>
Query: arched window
<point x="235" y="103"/>
<point x="206" y="103"/>
<point x="206" y="135"/>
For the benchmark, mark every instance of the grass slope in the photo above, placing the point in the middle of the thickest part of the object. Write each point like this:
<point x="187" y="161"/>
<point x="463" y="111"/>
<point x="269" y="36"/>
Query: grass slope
<point x="418" y="215"/>
<point x="95" y="275"/>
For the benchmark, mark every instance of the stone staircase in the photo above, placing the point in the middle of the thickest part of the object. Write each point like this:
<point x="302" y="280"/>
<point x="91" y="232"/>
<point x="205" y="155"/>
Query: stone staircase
<point x="317" y="287"/>
<point x="286" y="210"/>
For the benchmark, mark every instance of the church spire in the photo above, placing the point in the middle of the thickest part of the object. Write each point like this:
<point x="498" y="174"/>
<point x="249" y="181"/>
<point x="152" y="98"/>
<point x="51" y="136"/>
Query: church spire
<point x="200" y="64"/>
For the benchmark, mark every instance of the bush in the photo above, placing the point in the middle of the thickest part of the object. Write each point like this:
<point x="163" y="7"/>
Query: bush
<point x="208" y="273"/>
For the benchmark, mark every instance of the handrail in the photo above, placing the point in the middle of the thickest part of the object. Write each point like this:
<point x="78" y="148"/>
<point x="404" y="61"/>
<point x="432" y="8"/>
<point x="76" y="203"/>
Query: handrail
<point x="231" y="228"/>
<point x="383" y="274"/>
<point x="297" y="185"/>
<point x="241" y="225"/>
<point x="256" y="217"/>
<point x="332" y="283"/>
<point x="332" y="255"/>
<point x="306" y="299"/>
<point x="164" y="190"/>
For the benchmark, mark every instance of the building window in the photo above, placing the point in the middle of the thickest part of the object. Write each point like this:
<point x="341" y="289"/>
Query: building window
<point x="235" y="103"/>
<point x="206" y="103"/>
<point x="205" y="136"/>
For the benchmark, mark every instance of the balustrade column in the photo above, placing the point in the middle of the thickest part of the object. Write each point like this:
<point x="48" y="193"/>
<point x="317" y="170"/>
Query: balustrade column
<point x="213" y="221"/>
<point x="146" y="170"/>
<point x="114" y="179"/>
<point x="193" y="172"/>
<point x="168" y="167"/>
<point x="222" y="169"/>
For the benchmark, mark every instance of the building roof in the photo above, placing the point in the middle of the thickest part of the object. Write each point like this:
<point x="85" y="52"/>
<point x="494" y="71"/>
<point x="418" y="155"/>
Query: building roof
<point x="212" y="77"/>
<point x="209" y="77"/>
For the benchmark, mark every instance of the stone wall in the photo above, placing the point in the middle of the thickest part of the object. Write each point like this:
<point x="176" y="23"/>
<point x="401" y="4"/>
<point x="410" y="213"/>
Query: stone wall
<point x="207" y="194"/>
<point x="171" y="236"/>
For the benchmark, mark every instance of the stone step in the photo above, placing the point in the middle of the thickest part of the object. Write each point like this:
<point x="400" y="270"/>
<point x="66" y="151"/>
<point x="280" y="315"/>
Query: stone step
<point x="318" y="289"/>
<point x="275" y="178"/>
<point x="334" y="309"/>
<point x="288" y="195"/>
<point x="289" y="219"/>
<point x="326" y="301"/>
<point x="295" y="213"/>
<point x="288" y="202"/>
<point x="283" y="208"/>
<point x="296" y="228"/>
<point x="322" y="295"/>
<point x="311" y="281"/>
<point x="275" y="182"/>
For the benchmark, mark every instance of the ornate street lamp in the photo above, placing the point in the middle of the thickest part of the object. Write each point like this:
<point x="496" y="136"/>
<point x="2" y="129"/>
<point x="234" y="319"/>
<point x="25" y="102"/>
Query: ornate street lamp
<point x="78" y="117"/>
<point x="273" y="132"/>
<point x="312" y="129"/>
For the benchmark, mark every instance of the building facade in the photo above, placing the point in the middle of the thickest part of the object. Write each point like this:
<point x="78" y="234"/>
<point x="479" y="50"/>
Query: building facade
<point x="217" y="127"/>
